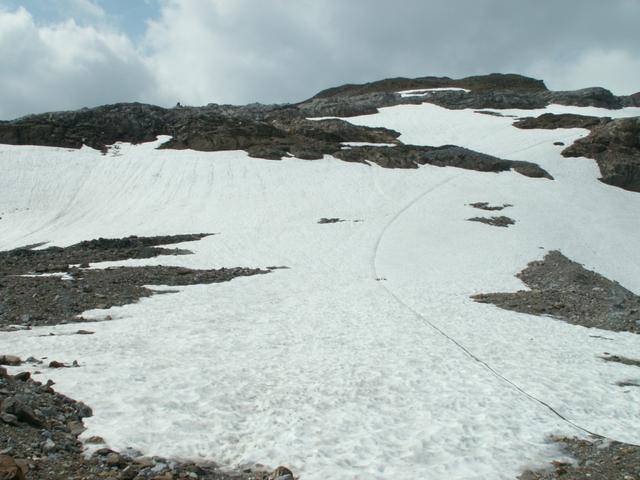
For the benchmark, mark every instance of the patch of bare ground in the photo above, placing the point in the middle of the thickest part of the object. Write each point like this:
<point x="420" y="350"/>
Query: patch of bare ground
<point x="593" y="459"/>
<point x="564" y="289"/>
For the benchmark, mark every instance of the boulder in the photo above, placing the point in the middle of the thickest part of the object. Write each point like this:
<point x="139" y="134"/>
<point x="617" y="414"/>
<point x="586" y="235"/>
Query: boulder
<point x="9" y="469"/>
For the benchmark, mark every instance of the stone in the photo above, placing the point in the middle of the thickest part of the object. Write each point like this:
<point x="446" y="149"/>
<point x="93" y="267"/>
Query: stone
<point x="9" y="419"/>
<point x="9" y="469"/>
<point x="281" y="473"/>
<point x="56" y="364"/>
<point x="164" y="476"/>
<point x="10" y="360"/>
<point x="22" y="376"/>
<point x="95" y="440"/>
<point x="85" y="332"/>
<point x="22" y="412"/>
<point x="49" y="445"/>
<point x="76" y="428"/>
<point x="114" y="459"/>
<point x="128" y="473"/>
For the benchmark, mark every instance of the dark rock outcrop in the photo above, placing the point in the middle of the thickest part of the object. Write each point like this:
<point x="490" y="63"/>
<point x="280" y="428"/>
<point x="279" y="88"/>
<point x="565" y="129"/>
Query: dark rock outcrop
<point x="551" y="121"/>
<point x="488" y="91"/>
<point x="211" y="128"/>
<point x="280" y="131"/>
<point x="615" y="145"/>
<point x="411" y="156"/>
<point x="499" y="221"/>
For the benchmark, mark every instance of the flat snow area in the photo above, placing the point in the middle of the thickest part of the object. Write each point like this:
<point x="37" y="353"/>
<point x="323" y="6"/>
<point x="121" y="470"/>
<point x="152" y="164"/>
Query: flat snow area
<point x="367" y="144"/>
<point x="421" y="92"/>
<point x="350" y="364"/>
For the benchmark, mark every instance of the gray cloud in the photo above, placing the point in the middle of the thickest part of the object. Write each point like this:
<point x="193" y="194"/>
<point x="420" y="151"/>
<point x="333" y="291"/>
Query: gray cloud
<point x="237" y="51"/>
<point x="64" y="66"/>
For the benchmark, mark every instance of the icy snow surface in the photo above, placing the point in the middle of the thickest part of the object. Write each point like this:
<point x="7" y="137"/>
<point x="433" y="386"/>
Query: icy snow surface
<point x="421" y="92"/>
<point x="340" y="366"/>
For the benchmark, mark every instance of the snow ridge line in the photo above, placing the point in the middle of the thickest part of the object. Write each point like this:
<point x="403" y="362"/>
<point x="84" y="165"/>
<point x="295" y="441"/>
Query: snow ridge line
<point x="465" y="350"/>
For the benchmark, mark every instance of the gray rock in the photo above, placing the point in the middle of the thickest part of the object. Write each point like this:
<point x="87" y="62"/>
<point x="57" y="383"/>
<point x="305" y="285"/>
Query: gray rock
<point x="11" y="360"/>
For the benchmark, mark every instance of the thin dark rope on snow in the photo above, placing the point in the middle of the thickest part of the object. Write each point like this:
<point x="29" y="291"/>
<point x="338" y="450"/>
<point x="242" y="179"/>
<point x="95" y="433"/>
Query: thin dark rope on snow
<point x="461" y="347"/>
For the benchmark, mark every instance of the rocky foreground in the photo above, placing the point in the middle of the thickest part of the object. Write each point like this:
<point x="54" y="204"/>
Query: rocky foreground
<point x="39" y="431"/>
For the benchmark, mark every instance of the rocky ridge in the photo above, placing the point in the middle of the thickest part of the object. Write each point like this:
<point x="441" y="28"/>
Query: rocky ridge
<point x="280" y="131"/>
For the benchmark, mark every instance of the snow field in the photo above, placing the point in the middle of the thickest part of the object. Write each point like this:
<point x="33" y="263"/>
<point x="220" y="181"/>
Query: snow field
<point x="338" y="366"/>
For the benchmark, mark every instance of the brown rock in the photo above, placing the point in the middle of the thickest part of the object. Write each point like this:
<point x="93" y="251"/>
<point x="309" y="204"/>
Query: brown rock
<point x="22" y="376"/>
<point x="10" y="360"/>
<point x="9" y="469"/>
<point x="281" y="473"/>
<point x="95" y="440"/>
<point x="164" y="476"/>
<point x="56" y="364"/>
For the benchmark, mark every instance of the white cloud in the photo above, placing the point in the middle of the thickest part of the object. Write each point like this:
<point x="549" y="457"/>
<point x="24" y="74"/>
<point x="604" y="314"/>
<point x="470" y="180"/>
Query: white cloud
<point x="87" y="7"/>
<point x="239" y="51"/>
<point x="64" y="66"/>
<point x="618" y="69"/>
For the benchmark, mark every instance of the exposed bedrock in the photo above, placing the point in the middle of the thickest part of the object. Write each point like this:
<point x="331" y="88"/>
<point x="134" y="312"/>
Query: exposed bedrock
<point x="280" y="131"/>
<point x="566" y="290"/>
<point x="410" y="156"/>
<point x="615" y="145"/>
<point x="551" y="121"/>
<point x="488" y="91"/>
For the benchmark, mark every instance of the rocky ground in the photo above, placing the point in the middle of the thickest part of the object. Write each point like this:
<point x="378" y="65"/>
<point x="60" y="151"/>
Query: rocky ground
<point x="566" y="290"/>
<point x="615" y="145"/>
<point x="496" y="221"/>
<point x="59" y="286"/>
<point x="593" y="459"/>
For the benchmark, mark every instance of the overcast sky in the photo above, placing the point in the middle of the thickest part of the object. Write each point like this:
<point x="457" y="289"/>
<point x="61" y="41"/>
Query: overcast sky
<point x="66" y="54"/>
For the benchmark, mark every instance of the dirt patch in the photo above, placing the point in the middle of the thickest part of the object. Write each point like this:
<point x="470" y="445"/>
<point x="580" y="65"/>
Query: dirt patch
<point x="500" y="221"/>
<point x="594" y="459"/>
<point x="54" y="292"/>
<point x="565" y="290"/>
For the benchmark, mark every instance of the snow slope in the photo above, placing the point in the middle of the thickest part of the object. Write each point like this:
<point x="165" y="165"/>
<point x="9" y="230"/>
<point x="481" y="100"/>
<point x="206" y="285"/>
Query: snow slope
<point x="365" y="359"/>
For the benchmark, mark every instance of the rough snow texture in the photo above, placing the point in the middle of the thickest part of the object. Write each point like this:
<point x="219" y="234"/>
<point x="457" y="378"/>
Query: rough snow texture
<point x="350" y="364"/>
